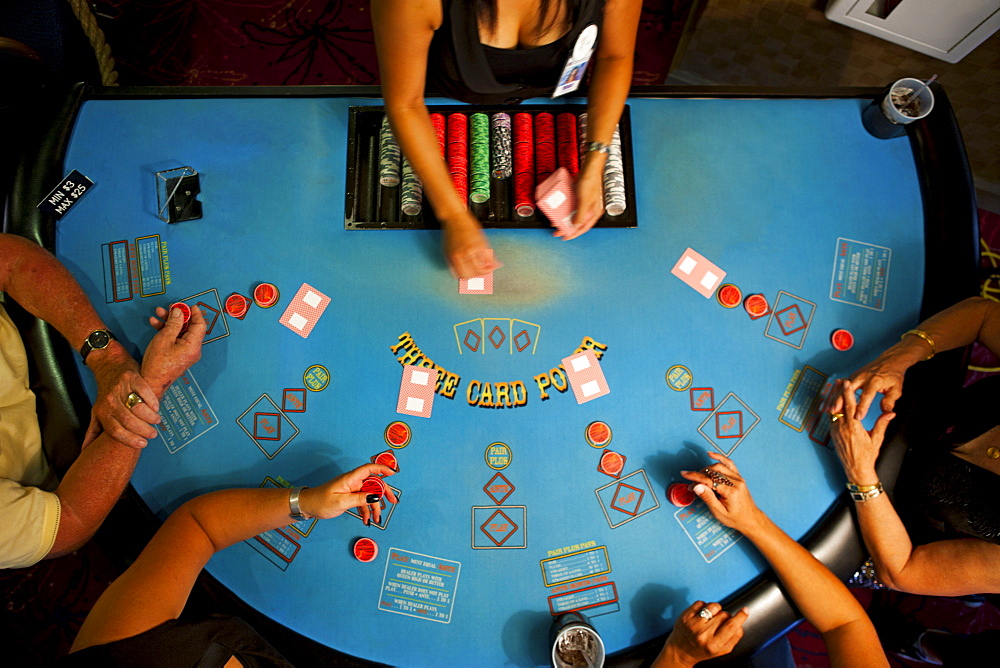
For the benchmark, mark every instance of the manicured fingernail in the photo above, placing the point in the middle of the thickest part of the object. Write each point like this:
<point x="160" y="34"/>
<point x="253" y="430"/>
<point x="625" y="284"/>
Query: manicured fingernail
<point x="699" y="488"/>
<point x="373" y="498"/>
<point x="685" y="472"/>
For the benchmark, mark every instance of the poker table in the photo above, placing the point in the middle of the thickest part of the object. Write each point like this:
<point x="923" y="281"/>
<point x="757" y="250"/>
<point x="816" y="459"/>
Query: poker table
<point x="508" y="513"/>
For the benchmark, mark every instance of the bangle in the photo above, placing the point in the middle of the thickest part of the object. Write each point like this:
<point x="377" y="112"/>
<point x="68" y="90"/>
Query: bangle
<point x="293" y="504"/>
<point x="925" y="336"/>
<point x="598" y="147"/>
<point x="864" y="492"/>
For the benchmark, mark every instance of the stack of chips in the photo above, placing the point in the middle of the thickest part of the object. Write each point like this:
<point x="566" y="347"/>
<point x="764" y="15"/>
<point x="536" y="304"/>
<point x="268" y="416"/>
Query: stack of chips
<point x="411" y="197"/>
<point x="545" y="146"/>
<point x="458" y="153"/>
<point x="581" y="134"/>
<point x="388" y="156"/>
<point x="614" y="178"/>
<point x="524" y="165"/>
<point x="437" y="120"/>
<point x="501" y="141"/>
<point x="569" y="155"/>
<point x="479" y="183"/>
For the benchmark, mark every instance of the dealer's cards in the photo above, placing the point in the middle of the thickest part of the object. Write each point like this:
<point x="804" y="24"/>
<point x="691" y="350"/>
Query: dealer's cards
<point x="477" y="285"/>
<point x="698" y="272"/>
<point x="304" y="310"/>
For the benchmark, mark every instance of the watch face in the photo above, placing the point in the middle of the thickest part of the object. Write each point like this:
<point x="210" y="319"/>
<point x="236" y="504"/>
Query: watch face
<point x="99" y="339"/>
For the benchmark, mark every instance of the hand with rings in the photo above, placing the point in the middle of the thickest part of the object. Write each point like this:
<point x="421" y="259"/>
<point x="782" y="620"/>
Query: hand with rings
<point x="725" y="493"/>
<point x="702" y="632"/>
<point x="857" y="447"/>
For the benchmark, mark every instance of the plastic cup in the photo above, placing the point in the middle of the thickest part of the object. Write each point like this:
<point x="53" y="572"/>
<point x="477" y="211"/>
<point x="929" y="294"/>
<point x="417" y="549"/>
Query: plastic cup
<point x="575" y="624"/>
<point x="887" y="116"/>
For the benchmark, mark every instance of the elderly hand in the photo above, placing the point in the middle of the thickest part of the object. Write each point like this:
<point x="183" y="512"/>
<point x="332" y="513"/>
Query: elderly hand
<point x="589" y="200"/>
<point x="172" y="351"/>
<point x="725" y="493"/>
<point x="857" y="448"/>
<point x="118" y="376"/>
<point x="883" y="375"/>
<point x="466" y="248"/>
<point x="701" y="636"/>
<point x="334" y="497"/>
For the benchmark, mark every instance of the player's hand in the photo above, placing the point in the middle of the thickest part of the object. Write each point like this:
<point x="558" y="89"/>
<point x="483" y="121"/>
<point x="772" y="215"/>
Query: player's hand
<point x="857" y="447"/>
<point x="466" y="248"/>
<point x="118" y="376"/>
<point x="336" y="496"/>
<point x="695" y="638"/>
<point x="172" y="352"/>
<point x="883" y="375"/>
<point x="589" y="199"/>
<point x="725" y="492"/>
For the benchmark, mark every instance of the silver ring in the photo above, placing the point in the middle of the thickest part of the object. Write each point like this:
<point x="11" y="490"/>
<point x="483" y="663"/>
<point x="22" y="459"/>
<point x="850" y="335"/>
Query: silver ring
<point x="705" y="613"/>
<point x="133" y="399"/>
<point x="715" y="485"/>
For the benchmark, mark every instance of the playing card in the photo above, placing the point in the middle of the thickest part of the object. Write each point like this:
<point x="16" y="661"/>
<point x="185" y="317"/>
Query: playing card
<point x="585" y="376"/>
<point x="699" y="273"/>
<point x="477" y="285"/>
<point x="304" y="310"/>
<point x="416" y="391"/>
<point x="557" y="199"/>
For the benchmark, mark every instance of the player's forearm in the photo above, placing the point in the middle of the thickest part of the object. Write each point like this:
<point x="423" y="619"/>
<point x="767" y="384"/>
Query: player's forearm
<point x="234" y="515"/>
<point x="886" y="538"/>
<point x="974" y="319"/>
<point x="44" y="287"/>
<point x="89" y="490"/>
<point x="816" y="591"/>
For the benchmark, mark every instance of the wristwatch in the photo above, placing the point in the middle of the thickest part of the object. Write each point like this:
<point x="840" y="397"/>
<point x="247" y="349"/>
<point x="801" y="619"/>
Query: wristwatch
<point x="293" y="504"/>
<point x="598" y="147"/>
<point x="99" y="339"/>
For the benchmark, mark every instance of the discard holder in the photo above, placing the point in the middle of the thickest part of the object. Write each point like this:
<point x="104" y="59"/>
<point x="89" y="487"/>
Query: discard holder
<point x="177" y="195"/>
<point x="575" y="642"/>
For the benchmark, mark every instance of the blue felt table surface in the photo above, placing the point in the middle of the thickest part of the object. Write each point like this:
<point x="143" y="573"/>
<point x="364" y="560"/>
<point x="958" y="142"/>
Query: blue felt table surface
<point x="762" y="188"/>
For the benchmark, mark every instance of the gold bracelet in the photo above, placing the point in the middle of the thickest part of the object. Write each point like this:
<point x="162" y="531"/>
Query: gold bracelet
<point x="851" y="487"/>
<point x="922" y="334"/>
<point x="865" y="492"/>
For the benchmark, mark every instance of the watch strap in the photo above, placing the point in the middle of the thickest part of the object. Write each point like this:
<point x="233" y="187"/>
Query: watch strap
<point x="86" y="348"/>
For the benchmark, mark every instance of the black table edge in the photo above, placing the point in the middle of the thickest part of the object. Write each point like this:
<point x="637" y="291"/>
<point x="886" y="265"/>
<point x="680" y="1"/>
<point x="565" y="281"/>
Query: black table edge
<point x="951" y="234"/>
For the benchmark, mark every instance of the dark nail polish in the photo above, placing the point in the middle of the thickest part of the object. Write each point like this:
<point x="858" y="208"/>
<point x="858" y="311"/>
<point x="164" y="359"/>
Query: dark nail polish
<point x="373" y="498"/>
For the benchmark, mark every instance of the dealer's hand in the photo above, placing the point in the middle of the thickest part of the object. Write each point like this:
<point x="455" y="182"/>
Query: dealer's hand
<point x="589" y="196"/>
<point x="857" y="448"/>
<point x="699" y="636"/>
<point x="466" y="247"/>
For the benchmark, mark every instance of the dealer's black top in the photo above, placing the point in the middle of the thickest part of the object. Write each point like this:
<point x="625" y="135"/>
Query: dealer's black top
<point x="460" y="67"/>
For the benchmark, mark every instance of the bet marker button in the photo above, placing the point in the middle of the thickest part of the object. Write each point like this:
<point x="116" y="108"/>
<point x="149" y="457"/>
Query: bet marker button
<point x="598" y="434"/>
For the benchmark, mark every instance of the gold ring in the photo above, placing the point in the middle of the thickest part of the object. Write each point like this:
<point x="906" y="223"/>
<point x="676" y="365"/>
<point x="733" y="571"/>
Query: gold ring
<point x="836" y="416"/>
<point x="133" y="399"/>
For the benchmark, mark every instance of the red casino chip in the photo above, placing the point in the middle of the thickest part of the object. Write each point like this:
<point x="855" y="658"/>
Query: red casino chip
<point x="373" y="485"/>
<point x="397" y="435"/>
<point x="386" y="459"/>
<point x="265" y="295"/>
<point x="612" y="463"/>
<point x="185" y="312"/>
<point x="365" y="550"/>
<point x="437" y="120"/>
<point x="680" y="495"/>
<point x="842" y="340"/>
<point x="756" y="306"/>
<point x="729" y="295"/>
<point x="598" y="434"/>
<point x="237" y="305"/>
